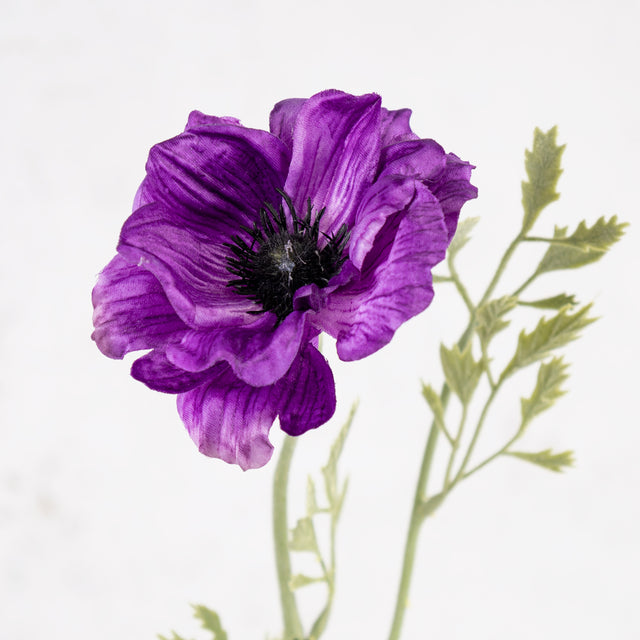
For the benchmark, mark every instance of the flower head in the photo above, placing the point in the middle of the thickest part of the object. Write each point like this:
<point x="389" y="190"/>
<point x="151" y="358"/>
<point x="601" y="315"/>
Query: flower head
<point x="244" y="245"/>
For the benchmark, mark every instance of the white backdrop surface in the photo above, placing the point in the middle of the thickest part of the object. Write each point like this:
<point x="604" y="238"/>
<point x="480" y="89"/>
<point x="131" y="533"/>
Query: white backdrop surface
<point x="111" y="522"/>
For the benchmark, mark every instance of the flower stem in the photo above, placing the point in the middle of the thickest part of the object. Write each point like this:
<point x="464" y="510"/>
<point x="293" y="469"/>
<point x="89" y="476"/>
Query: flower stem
<point x="414" y="529"/>
<point x="291" y="618"/>
<point x="420" y="495"/>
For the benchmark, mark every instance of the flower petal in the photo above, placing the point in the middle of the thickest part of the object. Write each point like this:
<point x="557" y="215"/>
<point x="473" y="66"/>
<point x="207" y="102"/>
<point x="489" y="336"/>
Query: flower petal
<point x="131" y="311"/>
<point x="259" y="353"/>
<point x="198" y="119"/>
<point x="283" y="117"/>
<point x="336" y="146"/>
<point x="453" y="189"/>
<point x="216" y="176"/>
<point x="154" y="370"/>
<point x="230" y="420"/>
<point x="387" y="196"/>
<point x="190" y="264"/>
<point x="422" y="159"/>
<point x="310" y="398"/>
<point x="395" y="126"/>
<point x="395" y="282"/>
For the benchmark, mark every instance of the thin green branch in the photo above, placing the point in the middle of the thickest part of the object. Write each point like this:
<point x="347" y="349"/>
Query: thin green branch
<point x="492" y="457"/>
<point x="549" y="240"/>
<point x="487" y="364"/>
<point x="476" y="433"/>
<point x="419" y="500"/>
<point x="460" y="287"/>
<point x="525" y="284"/>
<point x="291" y="618"/>
<point x="454" y="450"/>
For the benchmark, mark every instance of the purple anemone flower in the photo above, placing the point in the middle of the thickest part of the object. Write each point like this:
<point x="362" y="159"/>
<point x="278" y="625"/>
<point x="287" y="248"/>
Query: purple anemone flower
<point x="244" y="245"/>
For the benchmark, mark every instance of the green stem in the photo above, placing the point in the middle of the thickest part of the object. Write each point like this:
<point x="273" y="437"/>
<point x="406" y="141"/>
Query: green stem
<point x="454" y="449"/>
<point x="525" y="284"/>
<point x="491" y="458"/>
<point x="501" y="267"/>
<point x="460" y="287"/>
<point x="476" y="434"/>
<point x="414" y="528"/>
<point x="291" y="618"/>
<point x="420" y="495"/>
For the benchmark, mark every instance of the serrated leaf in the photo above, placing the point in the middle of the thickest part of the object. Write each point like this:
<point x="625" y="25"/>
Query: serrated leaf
<point x="542" y="165"/>
<point x="551" y="375"/>
<point x="461" y="371"/>
<point x="584" y="246"/>
<point x="210" y="621"/>
<point x="300" y="580"/>
<point x="556" y="302"/>
<point x="546" y="458"/>
<point x="343" y="494"/>
<point x="462" y="235"/>
<point x="312" y="505"/>
<point x="489" y="320"/>
<point x="329" y="471"/>
<point x="548" y="335"/>
<point x="435" y="404"/>
<point x="600" y="237"/>
<point x="303" y="536"/>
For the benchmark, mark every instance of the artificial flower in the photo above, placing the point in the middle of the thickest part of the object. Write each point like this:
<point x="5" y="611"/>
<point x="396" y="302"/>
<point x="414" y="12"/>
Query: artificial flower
<point x="244" y="245"/>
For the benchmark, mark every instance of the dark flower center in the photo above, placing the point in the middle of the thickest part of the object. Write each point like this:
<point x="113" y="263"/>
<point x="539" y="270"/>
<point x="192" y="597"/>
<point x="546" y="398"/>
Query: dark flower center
<point x="280" y="258"/>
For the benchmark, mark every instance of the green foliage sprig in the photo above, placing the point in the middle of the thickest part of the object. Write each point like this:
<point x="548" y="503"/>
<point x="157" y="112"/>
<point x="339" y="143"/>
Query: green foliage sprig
<point x="490" y="316"/>
<point x="468" y="361"/>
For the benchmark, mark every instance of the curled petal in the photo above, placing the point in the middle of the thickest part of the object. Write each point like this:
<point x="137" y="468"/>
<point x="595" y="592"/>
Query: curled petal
<point x="421" y="159"/>
<point x="230" y="420"/>
<point x="131" y="311"/>
<point x="395" y="282"/>
<point x="160" y="375"/>
<point x="283" y="118"/>
<point x="197" y="119"/>
<point x="189" y="263"/>
<point x="259" y="353"/>
<point x="309" y="393"/>
<point x="395" y="126"/>
<point x="336" y="145"/>
<point x="453" y="189"/>
<point x="387" y="196"/>
<point x="216" y="176"/>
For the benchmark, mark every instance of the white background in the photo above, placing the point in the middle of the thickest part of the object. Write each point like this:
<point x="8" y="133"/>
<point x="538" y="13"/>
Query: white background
<point x="111" y="522"/>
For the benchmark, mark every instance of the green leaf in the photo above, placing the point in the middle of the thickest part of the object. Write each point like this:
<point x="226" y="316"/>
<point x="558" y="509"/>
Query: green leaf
<point x="210" y="621"/>
<point x="303" y="536"/>
<point x="312" y="505"/>
<point x="585" y="246"/>
<point x="341" y="498"/>
<point x="330" y="470"/>
<point x="300" y="580"/>
<point x="542" y="165"/>
<point x="489" y="317"/>
<point x="174" y="636"/>
<point x="547" y="336"/>
<point x="462" y="235"/>
<point x="557" y="302"/>
<point x="546" y="458"/>
<point x="435" y="404"/>
<point x="551" y="375"/>
<point x="461" y="371"/>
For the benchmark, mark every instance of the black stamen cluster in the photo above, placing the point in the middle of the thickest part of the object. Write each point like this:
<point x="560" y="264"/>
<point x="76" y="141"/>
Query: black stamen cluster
<point x="279" y="258"/>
